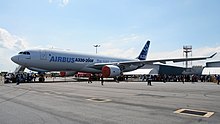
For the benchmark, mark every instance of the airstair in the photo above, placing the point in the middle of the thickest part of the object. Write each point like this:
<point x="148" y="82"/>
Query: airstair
<point x="19" y="69"/>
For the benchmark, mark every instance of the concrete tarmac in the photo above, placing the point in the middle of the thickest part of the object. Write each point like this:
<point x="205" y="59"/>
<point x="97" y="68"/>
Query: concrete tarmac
<point x="113" y="103"/>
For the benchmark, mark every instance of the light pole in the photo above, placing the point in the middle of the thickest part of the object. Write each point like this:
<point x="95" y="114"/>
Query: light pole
<point x="96" y="46"/>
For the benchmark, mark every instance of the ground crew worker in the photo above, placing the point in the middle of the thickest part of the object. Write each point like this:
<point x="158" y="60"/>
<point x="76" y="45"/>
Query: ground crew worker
<point x="218" y="79"/>
<point x="18" y="79"/>
<point x="102" y="80"/>
<point x="149" y="80"/>
<point x="90" y="79"/>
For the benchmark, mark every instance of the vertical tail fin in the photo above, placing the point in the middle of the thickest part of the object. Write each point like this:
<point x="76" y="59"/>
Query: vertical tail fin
<point x="144" y="51"/>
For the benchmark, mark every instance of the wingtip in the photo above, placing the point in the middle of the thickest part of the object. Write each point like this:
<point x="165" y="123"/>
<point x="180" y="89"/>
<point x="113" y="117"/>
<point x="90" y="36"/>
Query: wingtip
<point x="213" y="55"/>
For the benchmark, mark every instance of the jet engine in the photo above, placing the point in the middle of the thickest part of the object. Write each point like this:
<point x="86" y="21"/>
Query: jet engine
<point x="110" y="71"/>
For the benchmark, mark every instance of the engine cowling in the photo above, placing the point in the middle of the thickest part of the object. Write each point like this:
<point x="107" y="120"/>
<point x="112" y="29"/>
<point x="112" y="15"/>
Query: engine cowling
<point x="110" y="71"/>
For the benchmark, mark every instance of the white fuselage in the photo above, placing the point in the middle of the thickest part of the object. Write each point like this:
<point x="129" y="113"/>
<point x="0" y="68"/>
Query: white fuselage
<point x="53" y="60"/>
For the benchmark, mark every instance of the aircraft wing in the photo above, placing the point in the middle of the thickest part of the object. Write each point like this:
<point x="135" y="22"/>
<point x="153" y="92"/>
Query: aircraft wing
<point x="97" y="65"/>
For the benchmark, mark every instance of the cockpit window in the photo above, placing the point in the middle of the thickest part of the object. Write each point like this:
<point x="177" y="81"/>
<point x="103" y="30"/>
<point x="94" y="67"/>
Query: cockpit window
<point x="20" y="52"/>
<point x="24" y="53"/>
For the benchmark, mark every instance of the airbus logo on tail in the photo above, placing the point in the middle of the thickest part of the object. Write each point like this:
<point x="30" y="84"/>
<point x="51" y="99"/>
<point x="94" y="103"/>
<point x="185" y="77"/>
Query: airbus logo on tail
<point x="144" y="51"/>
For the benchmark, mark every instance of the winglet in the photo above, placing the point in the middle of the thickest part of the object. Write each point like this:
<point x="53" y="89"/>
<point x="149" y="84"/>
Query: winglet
<point x="212" y="55"/>
<point x="144" y="51"/>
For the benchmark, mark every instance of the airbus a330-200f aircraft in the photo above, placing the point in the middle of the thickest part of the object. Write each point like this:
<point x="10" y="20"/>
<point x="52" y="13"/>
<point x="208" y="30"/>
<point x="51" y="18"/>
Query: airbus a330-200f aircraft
<point x="44" y="60"/>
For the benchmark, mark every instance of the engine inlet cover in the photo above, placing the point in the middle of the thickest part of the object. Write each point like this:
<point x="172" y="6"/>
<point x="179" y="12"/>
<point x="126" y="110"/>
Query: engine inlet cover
<point x="110" y="71"/>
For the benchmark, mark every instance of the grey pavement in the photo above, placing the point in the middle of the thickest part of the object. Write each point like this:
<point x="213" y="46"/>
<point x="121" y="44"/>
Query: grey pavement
<point x="123" y="103"/>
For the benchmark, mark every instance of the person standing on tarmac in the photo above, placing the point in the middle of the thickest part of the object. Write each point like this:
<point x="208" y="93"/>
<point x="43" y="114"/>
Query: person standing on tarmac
<point x="34" y="77"/>
<point x="18" y="79"/>
<point x="149" y="80"/>
<point x="102" y="80"/>
<point x="182" y="78"/>
<point x="218" y="79"/>
<point x="117" y="79"/>
<point x="90" y="79"/>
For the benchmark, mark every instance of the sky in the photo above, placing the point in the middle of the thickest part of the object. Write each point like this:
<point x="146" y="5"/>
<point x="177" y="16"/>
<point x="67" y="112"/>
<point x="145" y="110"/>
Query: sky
<point x="120" y="27"/>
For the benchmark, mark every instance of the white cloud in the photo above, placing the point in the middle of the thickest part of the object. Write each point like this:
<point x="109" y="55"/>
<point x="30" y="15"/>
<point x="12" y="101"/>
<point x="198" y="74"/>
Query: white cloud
<point x="122" y="46"/>
<point x="128" y="38"/>
<point x="65" y="2"/>
<point x="120" y="53"/>
<point x="11" y="42"/>
<point x="61" y="3"/>
<point x="9" y="45"/>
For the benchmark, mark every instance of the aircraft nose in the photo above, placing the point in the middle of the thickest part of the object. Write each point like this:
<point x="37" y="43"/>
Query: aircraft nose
<point x="14" y="59"/>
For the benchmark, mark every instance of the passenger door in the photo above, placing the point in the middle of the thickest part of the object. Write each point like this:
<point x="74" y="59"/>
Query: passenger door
<point x="43" y="55"/>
